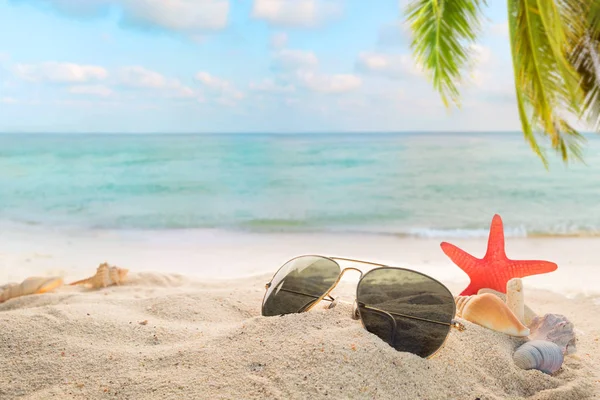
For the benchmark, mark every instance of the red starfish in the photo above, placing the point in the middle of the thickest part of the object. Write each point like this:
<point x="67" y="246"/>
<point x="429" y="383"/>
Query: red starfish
<point x="494" y="269"/>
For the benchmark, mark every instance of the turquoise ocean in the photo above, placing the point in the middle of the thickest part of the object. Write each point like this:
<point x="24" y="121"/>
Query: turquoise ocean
<point x="413" y="184"/>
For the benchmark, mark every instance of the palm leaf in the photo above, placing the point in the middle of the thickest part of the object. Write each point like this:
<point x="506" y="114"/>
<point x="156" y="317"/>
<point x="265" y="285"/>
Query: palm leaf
<point x="555" y="46"/>
<point x="594" y="14"/>
<point x="442" y="32"/>
<point x="586" y="59"/>
<point x="546" y="84"/>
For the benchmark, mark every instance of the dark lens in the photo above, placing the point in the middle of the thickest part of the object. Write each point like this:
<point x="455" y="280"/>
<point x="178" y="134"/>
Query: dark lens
<point x="410" y="311"/>
<point x="299" y="284"/>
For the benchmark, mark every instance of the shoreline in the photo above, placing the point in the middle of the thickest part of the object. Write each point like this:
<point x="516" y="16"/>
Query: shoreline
<point x="216" y="254"/>
<point x="248" y="228"/>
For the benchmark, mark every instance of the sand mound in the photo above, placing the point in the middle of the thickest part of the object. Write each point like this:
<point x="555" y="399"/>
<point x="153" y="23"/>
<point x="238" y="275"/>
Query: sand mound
<point x="165" y="338"/>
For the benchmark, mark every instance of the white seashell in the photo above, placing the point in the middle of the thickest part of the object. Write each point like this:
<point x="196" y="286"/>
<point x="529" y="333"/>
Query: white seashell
<point x="539" y="354"/>
<point x="514" y="298"/>
<point x="554" y="328"/>
<point x="529" y="314"/>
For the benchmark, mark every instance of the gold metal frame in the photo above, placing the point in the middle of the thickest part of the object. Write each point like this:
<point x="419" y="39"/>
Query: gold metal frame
<point x="356" y="314"/>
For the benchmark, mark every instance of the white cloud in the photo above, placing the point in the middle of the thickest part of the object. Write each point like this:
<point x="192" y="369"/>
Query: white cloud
<point x="184" y="92"/>
<point x="60" y="72"/>
<point x="8" y="100"/>
<point x="389" y="65"/>
<point x="500" y="29"/>
<point x="198" y="39"/>
<point x="225" y="91"/>
<point x="93" y="90"/>
<point x="336" y="83"/>
<point x="212" y="81"/>
<point x="299" y="13"/>
<point x="142" y="78"/>
<point x="295" y="59"/>
<point x="270" y="86"/>
<point x="137" y="77"/>
<point x="481" y="59"/>
<point x="279" y="40"/>
<point x="481" y="54"/>
<point x="173" y="15"/>
<point x="177" y="15"/>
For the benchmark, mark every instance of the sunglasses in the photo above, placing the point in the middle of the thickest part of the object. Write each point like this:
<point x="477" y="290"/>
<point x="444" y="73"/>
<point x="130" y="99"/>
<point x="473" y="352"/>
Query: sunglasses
<point x="409" y="310"/>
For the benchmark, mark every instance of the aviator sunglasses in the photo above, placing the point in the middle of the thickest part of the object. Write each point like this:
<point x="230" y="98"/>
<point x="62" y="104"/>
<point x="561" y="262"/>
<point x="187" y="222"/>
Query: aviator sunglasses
<point x="409" y="310"/>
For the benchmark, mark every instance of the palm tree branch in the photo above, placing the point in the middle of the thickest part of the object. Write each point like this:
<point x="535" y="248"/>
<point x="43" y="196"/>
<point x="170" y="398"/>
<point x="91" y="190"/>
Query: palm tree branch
<point x="560" y="24"/>
<point x="526" y="126"/>
<point x="442" y="31"/>
<point x="542" y="98"/>
<point x="546" y="83"/>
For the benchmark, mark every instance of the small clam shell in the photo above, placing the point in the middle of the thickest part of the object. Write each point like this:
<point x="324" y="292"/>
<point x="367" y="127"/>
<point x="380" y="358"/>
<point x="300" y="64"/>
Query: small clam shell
<point x="539" y="354"/>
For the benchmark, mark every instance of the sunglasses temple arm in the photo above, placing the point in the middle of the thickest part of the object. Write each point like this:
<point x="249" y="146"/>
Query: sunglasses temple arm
<point x="329" y="298"/>
<point x="389" y="316"/>
<point x="453" y="323"/>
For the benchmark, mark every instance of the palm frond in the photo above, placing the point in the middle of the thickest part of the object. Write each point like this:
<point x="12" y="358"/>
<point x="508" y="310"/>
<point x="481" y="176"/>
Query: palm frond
<point x="585" y="57"/>
<point x="594" y="14"/>
<point x="587" y="61"/>
<point x="546" y="84"/>
<point x="442" y="32"/>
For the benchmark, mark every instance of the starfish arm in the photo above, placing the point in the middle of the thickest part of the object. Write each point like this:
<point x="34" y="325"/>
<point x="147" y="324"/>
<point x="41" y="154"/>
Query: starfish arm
<point x="523" y="268"/>
<point x="495" y="247"/>
<point x="461" y="258"/>
<point x="470" y="290"/>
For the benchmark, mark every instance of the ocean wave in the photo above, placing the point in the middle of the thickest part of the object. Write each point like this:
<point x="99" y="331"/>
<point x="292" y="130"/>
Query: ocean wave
<point x="460" y="233"/>
<point x="277" y="225"/>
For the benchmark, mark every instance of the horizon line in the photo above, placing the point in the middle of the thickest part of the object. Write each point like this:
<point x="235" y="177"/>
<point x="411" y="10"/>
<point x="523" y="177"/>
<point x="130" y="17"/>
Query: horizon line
<point x="274" y="132"/>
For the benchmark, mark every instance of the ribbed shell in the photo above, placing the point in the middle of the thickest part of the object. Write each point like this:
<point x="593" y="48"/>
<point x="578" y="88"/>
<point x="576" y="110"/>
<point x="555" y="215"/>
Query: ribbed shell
<point x="105" y="276"/>
<point x="539" y="354"/>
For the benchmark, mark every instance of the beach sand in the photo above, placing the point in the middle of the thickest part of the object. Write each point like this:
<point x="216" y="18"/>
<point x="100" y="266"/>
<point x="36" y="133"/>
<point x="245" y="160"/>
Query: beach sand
<point x="175" y="332"/>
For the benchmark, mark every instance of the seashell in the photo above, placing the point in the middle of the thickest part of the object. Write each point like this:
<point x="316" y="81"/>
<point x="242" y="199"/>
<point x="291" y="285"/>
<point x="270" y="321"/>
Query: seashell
<point x="514" y="298"/>
<point x="554" y="328"/>
<point x="528" y="315"/>
<point x="105" y="276"/>
<point x="32" y="285"/>
<point x="539" y="354"/>
<point x="490" y="312"/>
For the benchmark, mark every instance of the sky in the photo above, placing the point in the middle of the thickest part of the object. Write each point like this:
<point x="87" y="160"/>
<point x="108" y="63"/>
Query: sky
<point x="236" y="66"/>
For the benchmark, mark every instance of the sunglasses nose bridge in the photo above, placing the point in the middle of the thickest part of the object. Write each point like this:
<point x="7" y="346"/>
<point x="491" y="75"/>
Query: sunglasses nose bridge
<point x="351" y="269"/>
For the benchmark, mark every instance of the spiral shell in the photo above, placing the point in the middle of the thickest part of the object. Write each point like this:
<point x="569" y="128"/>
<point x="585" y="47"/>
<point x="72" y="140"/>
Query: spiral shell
<point x="539" y="354"/>
<point x="105" y="276"/>
<point x="490" y="312"/>
<point x="32" y="285"/>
